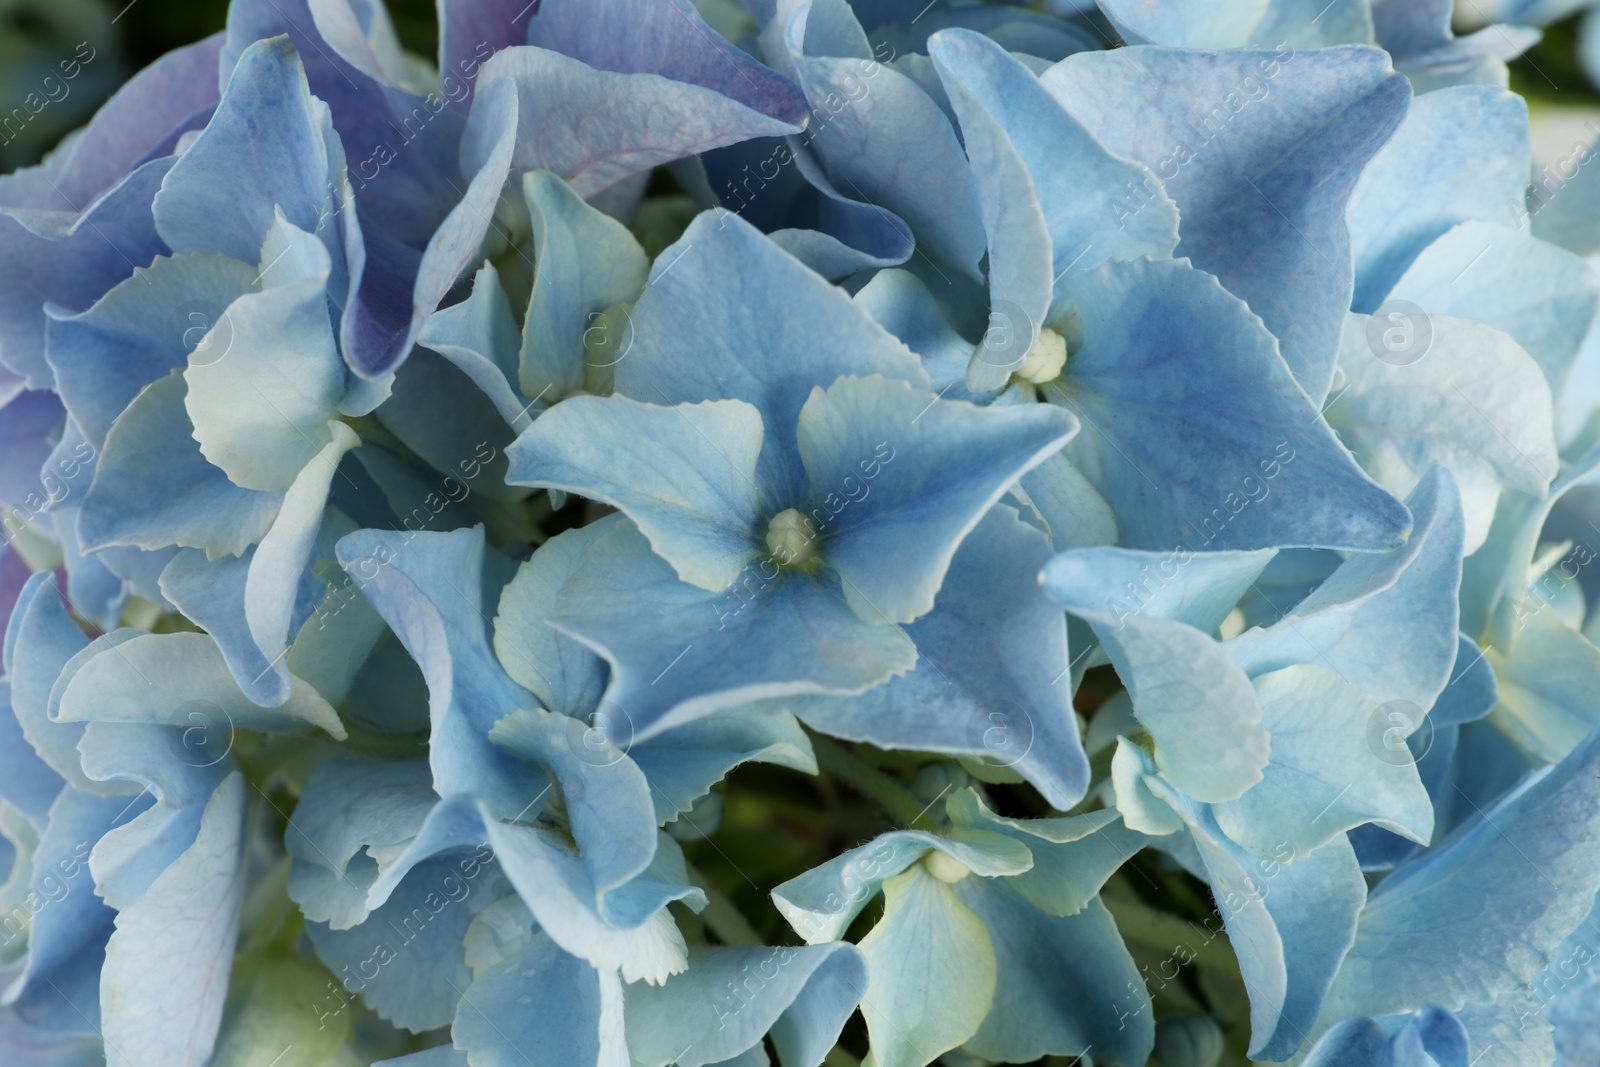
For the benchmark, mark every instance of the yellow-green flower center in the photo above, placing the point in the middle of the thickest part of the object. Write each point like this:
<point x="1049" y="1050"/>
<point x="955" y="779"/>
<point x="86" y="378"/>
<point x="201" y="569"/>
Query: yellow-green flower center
<point x="791" y="539"/>
<point x="1044" y="361"/>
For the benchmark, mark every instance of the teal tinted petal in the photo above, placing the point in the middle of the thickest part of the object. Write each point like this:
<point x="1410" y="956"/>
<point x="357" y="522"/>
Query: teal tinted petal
<point x="931" y="972"/>
<point x="1064" y="986"/>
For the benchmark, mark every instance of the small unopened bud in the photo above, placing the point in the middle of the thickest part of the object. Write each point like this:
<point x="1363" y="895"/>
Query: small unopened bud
<point x="1044" y="362"/>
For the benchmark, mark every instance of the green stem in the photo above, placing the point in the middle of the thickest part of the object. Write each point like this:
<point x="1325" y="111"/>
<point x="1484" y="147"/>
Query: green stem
<point x="1187" y="942"/>
<point x="898" y="802"/>
<point x="720" y="915"/>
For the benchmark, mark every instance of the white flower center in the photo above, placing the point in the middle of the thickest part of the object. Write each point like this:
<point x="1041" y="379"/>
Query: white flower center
<point x="944" y="868"/>
<point x="791" y="539"/>
<point x="1048" y="356"/>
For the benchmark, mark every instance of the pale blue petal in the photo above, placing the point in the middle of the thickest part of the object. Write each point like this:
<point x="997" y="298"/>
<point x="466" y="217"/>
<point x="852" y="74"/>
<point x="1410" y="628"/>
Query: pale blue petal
<point x="59" y="258"/>
<point x="990" y="681"/>
<point x="479" y="335"/>
<point x="559" y="1011"/>
<point x="1480" y="407"/>
<point x="1195" y="588"/>
<point x="1072" y="855"/>
<point x="350" y="803"/>
<point x="1325" y="775"/>
<point x="212" y="594"/>
<point x="160" y="678"/>
<point x="1064" y="986"/>
<point x="729" y="998"/>
<point x="1291" y="920"/>
<point x="1461" y="153"/>
<point x="139" y="332"/>
<point x="729" y="315"/>
<point x="821" y="903"/>
<point x="1086" y="226"/>
<point x="686" y="475"/>
<point x="694" y="652"/>
<point x="1179" y="25"/>
<point x="261" y="408"/>
<point x="563" y="674"/>
<point x="40" y="641"/>
<point x="1385" y="622"/>
<point x="684" y="763"/>
<point x="605" y="794"/>
<point x="646" y="121"/>
<point x="586" y="262"/>
<point x="167" y="964"/>
<point x="1471" y="692"/>
<point x="414" y="943"/>
<point x="154" y="487"/>
<point x="1198" y="706"/>
<point x="951" y="461"/>
<point x="1426" y="935"/>
<point x="1074" y="514"/>
<point x="262" y="152"/>
<point x="438" y="592"/>
<point x="1539" y="293"/>
<point x="1260" y="151"/>
<point x="27" y="782"/>
<point x="1192" y="420"/>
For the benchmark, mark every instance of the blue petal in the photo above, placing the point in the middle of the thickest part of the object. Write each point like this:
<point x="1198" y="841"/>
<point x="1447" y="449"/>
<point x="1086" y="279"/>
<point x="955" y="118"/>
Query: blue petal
<point x="479" y="335"/>
<point x="678" y="652"/>
<point x="160" y="679"/>
<point x="436" y="591"/>
<point x="1004" y="108"/>
<point x="414" y="943"/>
<point x="1065" y="986"/>
<point x="729" y="998"/>
<point x="350" y="803"/>
<point x="1191" y="420"/>
<point x="1471" y="692"/>
<point x="1425" y="935"/>
<point x="821" y="903"/>
<point x="684" y="763"/>
<point x="1195" y="588"/>
<point x="470" y="31"/>
<point x="154" y="487"/>
<point x="990" y="681"/>
<point x="559" y="1009"/>
<point x="730" y="316"/>
<point x="606" y="796"/>
<point x="685" y="474"/>
<point x="40" y="641"/>
<point x="167" y="964"/>
<point x="1385" y="622"/>
<point x="26" y="782"/>
<point x="1461" y="153"/>
<point x="1540" y="294"/>
<point x="70" y="258"/>
<point x="262" y="152"/>
<point x="1260" y="151"/>
<point x="892" y="544"/>
<point x="586" y="262"/>
<point x="647" y="120"/>
<point x="137" y="333"/>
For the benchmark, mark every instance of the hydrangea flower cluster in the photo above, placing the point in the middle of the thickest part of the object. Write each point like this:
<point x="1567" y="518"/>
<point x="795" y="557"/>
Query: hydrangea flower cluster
<point x="800" y="531"/>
